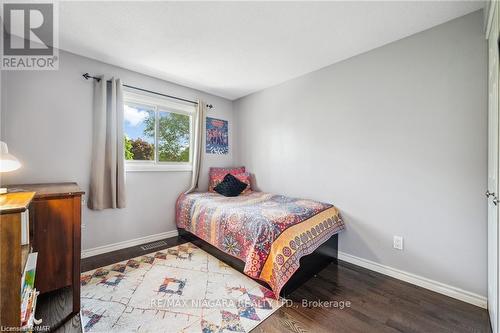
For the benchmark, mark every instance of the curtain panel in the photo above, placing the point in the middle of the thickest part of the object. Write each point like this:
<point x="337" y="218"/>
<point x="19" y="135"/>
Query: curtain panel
<point x="107" y="179"/>
<point x="197" y="145"/>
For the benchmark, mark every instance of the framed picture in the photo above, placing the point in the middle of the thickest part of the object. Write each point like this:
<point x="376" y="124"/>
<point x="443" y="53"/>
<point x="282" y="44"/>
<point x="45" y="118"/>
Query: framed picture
<point x="217" y="137"/>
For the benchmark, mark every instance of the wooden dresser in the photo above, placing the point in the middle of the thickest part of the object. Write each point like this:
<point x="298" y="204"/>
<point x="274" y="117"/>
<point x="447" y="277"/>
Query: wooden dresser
<point x="13" y="255"/>
<point x="56" y="227"/>
<point x="55" y="230"/>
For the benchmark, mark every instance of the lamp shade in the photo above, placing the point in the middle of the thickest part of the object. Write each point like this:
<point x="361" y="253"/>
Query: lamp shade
<point x="8" y="162"/>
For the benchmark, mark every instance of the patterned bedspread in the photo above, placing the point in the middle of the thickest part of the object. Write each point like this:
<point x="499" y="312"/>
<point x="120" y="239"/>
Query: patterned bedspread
<point x="269" y="232"/>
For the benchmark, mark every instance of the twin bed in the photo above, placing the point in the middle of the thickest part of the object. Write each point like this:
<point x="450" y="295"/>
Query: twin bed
<point x="276" y="240"/>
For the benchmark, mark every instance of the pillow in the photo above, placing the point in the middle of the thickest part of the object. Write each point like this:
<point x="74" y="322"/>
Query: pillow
<point x="230" y="186"/>
<point x="216" y="175"/>
<point x="245" y="178"/>
<point x="242" y="177"/>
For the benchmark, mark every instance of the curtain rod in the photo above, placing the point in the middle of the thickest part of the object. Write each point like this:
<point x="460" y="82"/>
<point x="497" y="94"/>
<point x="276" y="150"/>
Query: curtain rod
<point x="88" y="76"/>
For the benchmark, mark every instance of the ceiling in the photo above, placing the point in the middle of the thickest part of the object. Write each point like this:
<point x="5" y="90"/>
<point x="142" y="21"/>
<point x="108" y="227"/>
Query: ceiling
<point x="232" y="49"/>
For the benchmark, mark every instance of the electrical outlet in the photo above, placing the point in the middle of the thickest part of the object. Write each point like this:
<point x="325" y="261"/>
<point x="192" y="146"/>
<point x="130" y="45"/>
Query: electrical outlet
<point x="397" y="243"/>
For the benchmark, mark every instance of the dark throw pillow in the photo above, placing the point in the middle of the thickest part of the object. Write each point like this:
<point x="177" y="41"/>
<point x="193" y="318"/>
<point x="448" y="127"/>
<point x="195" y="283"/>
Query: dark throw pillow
<point x="230" y="186"/>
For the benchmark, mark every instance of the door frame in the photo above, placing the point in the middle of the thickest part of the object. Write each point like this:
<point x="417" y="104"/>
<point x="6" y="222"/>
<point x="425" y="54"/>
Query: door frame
<point x="492" y="28"/>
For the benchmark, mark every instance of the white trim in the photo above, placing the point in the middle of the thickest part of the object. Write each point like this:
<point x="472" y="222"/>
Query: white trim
<point x="420" y="281"/>
<point x="128" y="243"/>
<point x="157" y="105"/>
<point x="457" y="293"/>
<point x="489" y="19"/>
<point x="142" y="167"/>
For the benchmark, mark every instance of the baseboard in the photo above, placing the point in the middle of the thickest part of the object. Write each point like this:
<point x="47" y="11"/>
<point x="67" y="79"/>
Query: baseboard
<point x="128" y="243"/>
<point x="420" y="281"/>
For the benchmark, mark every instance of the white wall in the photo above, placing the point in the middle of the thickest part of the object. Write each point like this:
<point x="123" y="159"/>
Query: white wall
<point x="396" y="138"/>
<point x="46" y="120"/>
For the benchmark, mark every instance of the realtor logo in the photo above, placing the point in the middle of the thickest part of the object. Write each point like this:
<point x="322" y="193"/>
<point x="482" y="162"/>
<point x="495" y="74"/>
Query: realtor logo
<point x="29" y="36"/>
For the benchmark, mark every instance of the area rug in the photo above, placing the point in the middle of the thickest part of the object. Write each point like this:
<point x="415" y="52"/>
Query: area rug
<point x="180" y="289"/>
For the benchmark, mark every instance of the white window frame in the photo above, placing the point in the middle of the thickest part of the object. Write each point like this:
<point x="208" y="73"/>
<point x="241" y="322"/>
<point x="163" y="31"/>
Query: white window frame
<point x="158" y="104"/>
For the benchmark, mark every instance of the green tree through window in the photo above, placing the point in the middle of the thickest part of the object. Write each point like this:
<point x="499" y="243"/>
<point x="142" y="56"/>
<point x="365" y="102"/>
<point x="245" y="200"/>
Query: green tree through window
<point x="170" y="129"/>
<point x="173" y="136"/>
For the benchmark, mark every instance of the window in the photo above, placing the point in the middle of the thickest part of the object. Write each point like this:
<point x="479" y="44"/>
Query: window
<point x="158" y="133"/>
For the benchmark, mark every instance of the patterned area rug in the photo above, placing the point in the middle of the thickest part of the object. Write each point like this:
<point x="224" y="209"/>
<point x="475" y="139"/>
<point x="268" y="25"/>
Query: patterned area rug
<point x="180" y="289"/>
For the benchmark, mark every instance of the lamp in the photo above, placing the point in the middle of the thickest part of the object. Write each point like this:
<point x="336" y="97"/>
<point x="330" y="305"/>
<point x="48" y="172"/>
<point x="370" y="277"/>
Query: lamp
<point x="8" y="162"/>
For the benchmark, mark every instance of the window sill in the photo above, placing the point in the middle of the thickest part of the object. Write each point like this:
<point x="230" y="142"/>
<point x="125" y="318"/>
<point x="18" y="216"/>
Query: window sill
<point x="157" y="168"/>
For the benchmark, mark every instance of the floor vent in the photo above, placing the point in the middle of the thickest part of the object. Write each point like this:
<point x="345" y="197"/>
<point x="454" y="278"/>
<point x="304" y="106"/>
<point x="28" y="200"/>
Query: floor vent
<point x="153" y="245"/>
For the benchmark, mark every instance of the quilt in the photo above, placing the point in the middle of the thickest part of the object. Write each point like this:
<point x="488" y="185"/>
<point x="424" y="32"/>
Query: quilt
<point x="268" y="232"/>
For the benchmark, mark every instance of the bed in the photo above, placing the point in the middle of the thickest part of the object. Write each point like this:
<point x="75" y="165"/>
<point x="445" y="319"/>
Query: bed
<point x="263" y="235"/>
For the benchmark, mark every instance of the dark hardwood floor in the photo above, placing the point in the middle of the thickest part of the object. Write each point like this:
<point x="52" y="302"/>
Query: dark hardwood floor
<point x="377" y="303"/>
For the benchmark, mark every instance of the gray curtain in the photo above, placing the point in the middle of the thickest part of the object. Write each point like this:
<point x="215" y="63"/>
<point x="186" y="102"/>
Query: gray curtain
<point x="107" y="179"/>
<point x="197" y="146"/>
